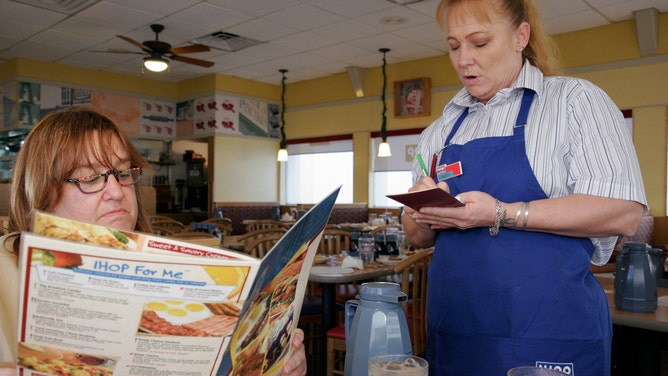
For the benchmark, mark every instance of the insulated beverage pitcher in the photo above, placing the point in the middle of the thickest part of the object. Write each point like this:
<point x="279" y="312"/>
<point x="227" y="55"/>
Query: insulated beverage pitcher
<point x="635" y="279"/>
<point x="375" y="325"/>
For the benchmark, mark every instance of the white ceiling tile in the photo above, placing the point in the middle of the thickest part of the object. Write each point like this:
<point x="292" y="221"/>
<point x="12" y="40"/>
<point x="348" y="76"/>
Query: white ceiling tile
<point x="211" y="16"/>
<point x="164" y="8"/>
<point x="262" y="30"/>
<point x="256" y="8"/>
<point x="304" y="17"/>
<point x="352" y="8"/>
<point x="347" y="30"/>
<point x="116" y="15"/>
<point x="305" y="41"/>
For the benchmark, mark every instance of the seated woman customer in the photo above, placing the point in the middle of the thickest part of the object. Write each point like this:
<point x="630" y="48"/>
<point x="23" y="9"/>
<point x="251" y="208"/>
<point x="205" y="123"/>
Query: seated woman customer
<point x="63" y="147"/>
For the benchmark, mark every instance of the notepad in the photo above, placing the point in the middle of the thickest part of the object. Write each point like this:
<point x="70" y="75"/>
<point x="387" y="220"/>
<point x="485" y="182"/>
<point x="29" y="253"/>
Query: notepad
<point x="426" y="198"/>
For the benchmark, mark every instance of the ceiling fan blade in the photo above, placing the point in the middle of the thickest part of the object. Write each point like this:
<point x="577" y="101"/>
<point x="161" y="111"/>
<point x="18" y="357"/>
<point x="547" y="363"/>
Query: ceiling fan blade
<point x="189" y="49"/>
<point x="190" y="60"/>
<point x="134" y="43"/>
<point x="117" y="51"/>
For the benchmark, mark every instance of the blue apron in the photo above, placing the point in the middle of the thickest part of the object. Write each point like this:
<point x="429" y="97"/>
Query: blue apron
<point x="520" y="298"/>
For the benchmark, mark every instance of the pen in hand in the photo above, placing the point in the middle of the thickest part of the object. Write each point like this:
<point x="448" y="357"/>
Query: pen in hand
<point x="425" y="172"/>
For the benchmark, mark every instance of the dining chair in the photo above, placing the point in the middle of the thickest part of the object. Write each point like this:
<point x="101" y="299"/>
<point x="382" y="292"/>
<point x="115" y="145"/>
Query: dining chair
<point x="245" y="239"/>
<point x="160" y="218"/>
<point x="191" y="234"/>
<point x="223" y="225"/>
<point x="385" y="229"/>
<point x="259" y="224"/>
<point x="334" y="241"/>
<point x="412" y="276"/>
<point x="4" y="224"/>
<point x="259" y="247"/>
<point x="166" y="227"/>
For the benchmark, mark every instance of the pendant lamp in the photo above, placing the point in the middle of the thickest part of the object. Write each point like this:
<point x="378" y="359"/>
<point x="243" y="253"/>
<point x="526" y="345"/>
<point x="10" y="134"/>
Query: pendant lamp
<point x="384" y="147"/>
<point x="283" y="150"/>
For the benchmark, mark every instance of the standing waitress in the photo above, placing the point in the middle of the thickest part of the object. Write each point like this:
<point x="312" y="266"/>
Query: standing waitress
<point x="549" y="177"/>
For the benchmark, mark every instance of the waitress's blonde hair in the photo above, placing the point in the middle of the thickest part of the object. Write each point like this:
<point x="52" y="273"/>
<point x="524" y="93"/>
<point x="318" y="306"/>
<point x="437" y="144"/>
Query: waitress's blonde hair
<point x="53" y="149"/>
<point x="541" y="50"/>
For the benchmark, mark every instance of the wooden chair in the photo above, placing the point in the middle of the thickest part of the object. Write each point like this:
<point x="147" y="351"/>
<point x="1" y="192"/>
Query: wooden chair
<point x="189" y="234"/>
<point x="246" y="238"/>
<point x="160" y="218"/>
<point x="4" y="224"/>
<point x="166" y="227"/>
<point x="259" y="224"/>
<point x="413" y="281"/>
<point x="223" y="225"/>
<point x="334" y="241"/>
<point x="259" y="247"/>
<point x="384" y="229"/>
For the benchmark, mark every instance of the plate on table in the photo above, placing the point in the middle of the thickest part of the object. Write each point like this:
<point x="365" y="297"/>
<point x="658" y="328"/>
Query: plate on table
<point x="320" y="259"/>
<point x="390" y="260"/>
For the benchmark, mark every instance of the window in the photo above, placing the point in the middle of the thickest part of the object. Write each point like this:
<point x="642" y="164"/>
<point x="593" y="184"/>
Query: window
<point x="392" y="174"/>
<point x="315" y="169"/>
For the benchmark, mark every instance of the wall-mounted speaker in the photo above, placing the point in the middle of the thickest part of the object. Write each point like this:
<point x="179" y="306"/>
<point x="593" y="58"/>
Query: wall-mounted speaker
<point x="647" y="27"/>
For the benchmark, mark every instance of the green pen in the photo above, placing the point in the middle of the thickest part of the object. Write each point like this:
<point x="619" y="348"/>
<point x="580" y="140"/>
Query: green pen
<point x="424" y="168"/>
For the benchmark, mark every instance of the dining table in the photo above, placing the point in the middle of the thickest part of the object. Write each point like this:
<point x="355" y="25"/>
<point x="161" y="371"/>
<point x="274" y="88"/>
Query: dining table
<point x="331" y="274"/>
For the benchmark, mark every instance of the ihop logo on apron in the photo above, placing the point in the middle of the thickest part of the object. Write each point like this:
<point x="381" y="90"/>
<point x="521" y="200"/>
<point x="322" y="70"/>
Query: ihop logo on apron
<point x="566" y="368"/>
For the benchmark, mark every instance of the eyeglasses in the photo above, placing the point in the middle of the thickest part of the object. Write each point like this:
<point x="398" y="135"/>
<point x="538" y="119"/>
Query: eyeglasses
<point x="97" y="182"/>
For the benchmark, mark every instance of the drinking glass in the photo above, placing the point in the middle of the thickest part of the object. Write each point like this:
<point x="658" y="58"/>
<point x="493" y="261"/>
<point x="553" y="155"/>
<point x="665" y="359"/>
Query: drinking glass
<point x="398" y="365"/>
<point x="366" y="248"/>
<point x="403" y="244"/>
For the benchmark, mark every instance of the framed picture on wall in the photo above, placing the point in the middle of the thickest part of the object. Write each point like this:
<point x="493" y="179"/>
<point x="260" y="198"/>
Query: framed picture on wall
<point x="412" y="97"/>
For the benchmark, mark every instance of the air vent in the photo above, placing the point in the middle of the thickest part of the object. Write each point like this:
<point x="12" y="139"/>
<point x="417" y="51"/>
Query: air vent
<point x="227" y="41"/>
<point x="61" y="6"/>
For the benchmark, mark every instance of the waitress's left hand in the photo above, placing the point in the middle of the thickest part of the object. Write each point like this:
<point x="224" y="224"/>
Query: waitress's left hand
<point x="296" y="365"/>
<point x="479" y="210"/>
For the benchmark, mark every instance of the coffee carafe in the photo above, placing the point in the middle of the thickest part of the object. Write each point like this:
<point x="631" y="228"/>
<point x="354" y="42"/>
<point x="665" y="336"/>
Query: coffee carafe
<point x="635" y="277"/>
<point x="375" y="325"/>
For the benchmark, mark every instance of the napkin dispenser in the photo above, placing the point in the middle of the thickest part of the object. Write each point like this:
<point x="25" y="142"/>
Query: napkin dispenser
<point x="375" y="325"/>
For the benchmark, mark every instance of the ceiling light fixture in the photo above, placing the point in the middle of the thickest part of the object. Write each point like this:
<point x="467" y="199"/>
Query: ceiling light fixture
<point x="283" y="150"/>
<point x="384" y="147"/>
<point x="156" y="63"/>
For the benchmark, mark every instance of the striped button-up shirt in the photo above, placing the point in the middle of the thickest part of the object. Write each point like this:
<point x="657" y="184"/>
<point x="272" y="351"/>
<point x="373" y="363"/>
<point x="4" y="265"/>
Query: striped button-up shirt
<point x="577" y="140"/>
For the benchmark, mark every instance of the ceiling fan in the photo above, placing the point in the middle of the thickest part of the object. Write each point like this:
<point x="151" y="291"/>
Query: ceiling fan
<point x="159" y="52"/>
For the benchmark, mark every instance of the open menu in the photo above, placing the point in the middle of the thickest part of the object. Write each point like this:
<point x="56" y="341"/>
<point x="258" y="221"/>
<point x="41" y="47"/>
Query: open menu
<point x="99" y="301"/>
<point x="432" y="197"/>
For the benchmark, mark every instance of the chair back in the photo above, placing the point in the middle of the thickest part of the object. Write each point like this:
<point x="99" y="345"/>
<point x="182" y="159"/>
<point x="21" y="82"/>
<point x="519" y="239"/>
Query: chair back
<point x="246" y="238"/>
<point x="259" y="224"/>
<point x="4" y="224"/>
<point x="166" y="227"/>
<point x="187" y="234"/>
<point x="413" y="280"/>
<point x="160" y="218"/>
<point x="334" y="241"/>
<point x="384" y="229"/>
<point x="259" y="247"/>
<point x="223" y="225"/>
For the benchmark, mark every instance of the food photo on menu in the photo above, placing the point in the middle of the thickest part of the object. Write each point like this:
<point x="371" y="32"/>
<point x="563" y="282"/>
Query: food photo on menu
<point x="55" y="361"/>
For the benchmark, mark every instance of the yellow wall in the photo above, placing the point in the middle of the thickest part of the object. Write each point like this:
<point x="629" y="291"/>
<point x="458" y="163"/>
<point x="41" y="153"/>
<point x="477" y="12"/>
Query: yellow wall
<point x="608" y="56"/>
<point x="245" y="169"/>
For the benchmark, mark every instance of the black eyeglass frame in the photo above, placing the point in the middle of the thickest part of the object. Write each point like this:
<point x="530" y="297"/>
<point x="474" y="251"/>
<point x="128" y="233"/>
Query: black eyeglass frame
<point x="115" y="173"/>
